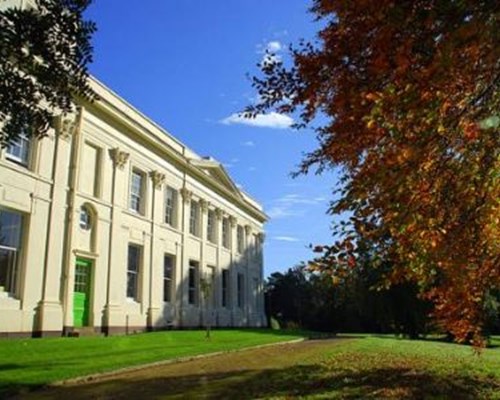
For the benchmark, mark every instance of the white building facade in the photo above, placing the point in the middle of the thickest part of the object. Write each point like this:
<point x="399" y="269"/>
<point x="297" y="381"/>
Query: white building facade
<point x="111" y="223"/>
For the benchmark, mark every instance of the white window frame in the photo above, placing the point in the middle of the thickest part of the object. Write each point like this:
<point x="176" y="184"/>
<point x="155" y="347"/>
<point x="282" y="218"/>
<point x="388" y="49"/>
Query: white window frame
<point x="136" y="273"/>
<point x="211" y="227"/>
<point x="22" y="141"/>
<point x="194" y="218"/>
<point x="11" y="285"/>
<point x="168" y="280"/>
<point x="193" y="289"/>
<point x="137" y="197"/>
<point x="85" y="220"/>
<point x="171" y="206"/>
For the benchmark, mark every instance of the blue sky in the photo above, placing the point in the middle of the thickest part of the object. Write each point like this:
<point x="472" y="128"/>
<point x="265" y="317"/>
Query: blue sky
<point x="184" y="64"/>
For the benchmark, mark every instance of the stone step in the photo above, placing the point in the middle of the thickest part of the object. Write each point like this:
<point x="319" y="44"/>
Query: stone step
<point x="85" y="331"/>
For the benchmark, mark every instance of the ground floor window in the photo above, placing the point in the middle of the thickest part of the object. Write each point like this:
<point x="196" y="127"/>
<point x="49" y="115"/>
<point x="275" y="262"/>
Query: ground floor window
<point x="11" y="224"/>
<point x="225" y="288"/>
<point x="241" y="291"/>
<point x="193" y="282"/>
<point x="168" y="273"/>
<point x="133" y="270"/>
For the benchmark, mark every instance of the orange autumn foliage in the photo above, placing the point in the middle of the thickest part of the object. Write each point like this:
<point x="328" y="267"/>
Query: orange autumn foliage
<point x="410" y="94"/>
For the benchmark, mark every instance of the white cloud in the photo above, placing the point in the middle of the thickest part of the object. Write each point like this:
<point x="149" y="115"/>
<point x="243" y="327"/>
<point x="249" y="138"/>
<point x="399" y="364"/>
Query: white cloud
<point x="282" y="212"/>
<point x="248" y="143"/>
<point x="293" y="205"/>
<point x="251" y="169"/>
<point x="274" y="46"/>
<point x="272" y="120"/>
<point x="286" y="238"/>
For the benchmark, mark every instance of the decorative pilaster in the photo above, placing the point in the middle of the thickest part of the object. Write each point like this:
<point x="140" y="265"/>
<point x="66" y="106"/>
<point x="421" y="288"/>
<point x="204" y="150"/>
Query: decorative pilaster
<point x="119" y="157"/>
<point x="232" y="221"/>
<point x="219" y="214"/>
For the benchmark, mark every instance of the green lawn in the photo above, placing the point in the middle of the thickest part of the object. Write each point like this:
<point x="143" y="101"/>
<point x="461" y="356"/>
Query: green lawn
<point x="28" y="363"/>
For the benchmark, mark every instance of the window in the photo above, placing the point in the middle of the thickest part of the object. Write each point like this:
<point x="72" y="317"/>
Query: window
<point x="211" y="232"/>
<point x="11" y="225"/>
<point x="171" y="206"/>
<point x="168" y="274"/>
<point x="137" y="191"/>
<point x="194" y="219"/>
<point x="226" y="241"/>
<point x="19" y="150"/>
<point x="210" y="277"/>
<point x="193" y="282"/>
<point x="239" y="239"/>
<point x="256" y="297"/>
<point x="134" y="262"/>
<point x="85" y="218"/>
<point x="241" y="291"/>
<point x="225" y="288"/>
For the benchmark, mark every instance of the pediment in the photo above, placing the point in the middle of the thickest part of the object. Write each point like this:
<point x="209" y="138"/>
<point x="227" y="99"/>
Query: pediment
<point x="216" y="171"/>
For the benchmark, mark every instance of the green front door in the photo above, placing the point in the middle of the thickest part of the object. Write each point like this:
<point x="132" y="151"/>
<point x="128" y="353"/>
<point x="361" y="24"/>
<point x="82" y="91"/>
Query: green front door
<point x="81" y="293"/>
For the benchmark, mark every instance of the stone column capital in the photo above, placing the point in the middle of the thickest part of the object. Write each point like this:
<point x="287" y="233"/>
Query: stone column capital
<point x="186" y="195"/>
<point x="158" y="179"/>
<point x="119" y="157"/>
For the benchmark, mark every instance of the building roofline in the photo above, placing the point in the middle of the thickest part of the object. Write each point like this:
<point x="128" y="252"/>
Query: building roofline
<point x="110" y="103"/>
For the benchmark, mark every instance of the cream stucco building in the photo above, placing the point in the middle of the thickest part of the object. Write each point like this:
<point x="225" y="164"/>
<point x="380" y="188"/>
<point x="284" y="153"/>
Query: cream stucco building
<point x="110" y="222"/>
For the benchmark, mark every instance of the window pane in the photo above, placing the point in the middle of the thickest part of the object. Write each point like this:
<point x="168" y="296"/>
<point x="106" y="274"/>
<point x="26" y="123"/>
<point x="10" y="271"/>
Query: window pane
<point x="136" y="191"/>
<point x="10" y="229"/>
<point x="8" y="269"/>
<point x="168" y="265"/>
<point x="170" y="203"/>
<point x="134" y="254"/>
<point x="192" y="282"/>
<point x="194" y="218"/>
<point x="18" y="150"/>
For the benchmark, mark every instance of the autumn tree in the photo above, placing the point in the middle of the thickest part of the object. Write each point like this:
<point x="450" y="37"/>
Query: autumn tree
<point x="409" y="92"/>
<point x="44" y="53"/>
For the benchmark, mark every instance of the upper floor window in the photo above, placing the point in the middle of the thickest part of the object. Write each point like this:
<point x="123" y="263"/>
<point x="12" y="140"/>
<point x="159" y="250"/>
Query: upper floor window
<point x="11" y="225"/>
<point x="171" y="206"/>
<point x="240" y="239"/>
<point x="194" y="219"/>
<point x="19" y="150"/>
<point x="137" y="191"/>
<point x="226" y="238"/>
<point x="211" y="231"/>
<point x="133" y="270"/>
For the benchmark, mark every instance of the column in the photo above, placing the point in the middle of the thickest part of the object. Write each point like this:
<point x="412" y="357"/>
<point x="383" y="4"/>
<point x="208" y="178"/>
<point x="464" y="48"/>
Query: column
<point x="60" y="221"/>
<point x="155" y="287"/>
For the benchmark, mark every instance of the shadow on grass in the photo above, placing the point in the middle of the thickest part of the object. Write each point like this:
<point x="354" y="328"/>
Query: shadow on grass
<point x="288" y="382"/>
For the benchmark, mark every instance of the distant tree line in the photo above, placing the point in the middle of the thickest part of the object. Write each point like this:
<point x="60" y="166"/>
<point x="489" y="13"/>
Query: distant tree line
<point x="311" y="300"/>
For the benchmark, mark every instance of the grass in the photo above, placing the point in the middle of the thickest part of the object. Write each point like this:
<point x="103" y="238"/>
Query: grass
<point x="30" y="363"/>
<point x="348" y="367"/>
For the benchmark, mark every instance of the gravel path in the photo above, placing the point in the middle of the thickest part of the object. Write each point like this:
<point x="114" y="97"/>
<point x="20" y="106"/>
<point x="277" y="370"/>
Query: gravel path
<point x="230" y="376"/>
